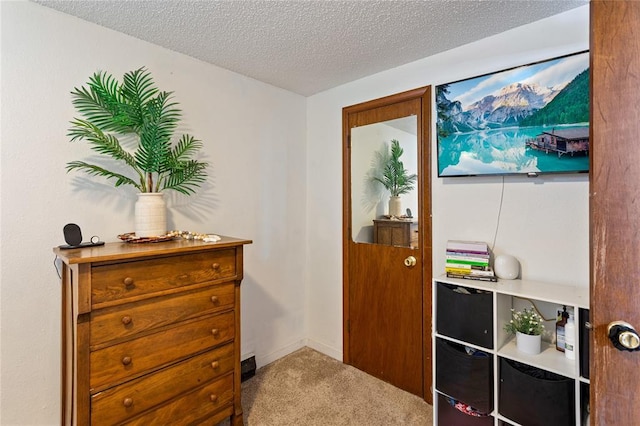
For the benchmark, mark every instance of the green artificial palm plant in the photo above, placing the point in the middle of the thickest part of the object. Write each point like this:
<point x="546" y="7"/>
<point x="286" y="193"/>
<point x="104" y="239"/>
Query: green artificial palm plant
<point x="394" y="177"/>
<point x="135" y="108"/>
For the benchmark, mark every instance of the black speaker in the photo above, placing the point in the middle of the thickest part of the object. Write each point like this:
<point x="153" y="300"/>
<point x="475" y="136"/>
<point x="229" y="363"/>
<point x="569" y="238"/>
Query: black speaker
<point x="73" y="237"/>
<point x="72" y="234"/>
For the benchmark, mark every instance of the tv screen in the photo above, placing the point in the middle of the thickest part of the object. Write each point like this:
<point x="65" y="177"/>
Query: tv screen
<point x="532" y="119"/>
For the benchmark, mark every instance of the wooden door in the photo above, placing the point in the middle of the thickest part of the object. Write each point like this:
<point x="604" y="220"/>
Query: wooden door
<point x="387" y="300"/>
<point x="615" y="207"/>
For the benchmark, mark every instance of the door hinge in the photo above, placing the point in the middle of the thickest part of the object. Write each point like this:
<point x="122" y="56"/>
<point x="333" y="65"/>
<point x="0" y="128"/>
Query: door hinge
<point x="349" y="141"/>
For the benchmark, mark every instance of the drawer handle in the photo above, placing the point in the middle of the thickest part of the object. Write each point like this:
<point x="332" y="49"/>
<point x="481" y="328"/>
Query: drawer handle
<point x="126" y="360"/>
<point x="215" y="332"/>
<point x="127" y="402"/>
<point x="128" y="281"/>
<point x="215" y="300"/>
<point x="215" y="266"/>
<point x="126" y="320"/>
<point x="213" y="397"/>
<point x="215" y="365"/>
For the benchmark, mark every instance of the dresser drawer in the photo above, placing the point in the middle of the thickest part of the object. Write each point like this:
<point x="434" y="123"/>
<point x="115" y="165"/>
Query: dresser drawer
<point x="127" y="320"/>
<point x="132" y="398"/>
<point x="193" y="407"/>
<point x="119" y="282"/>
<point x="116" y="363"/>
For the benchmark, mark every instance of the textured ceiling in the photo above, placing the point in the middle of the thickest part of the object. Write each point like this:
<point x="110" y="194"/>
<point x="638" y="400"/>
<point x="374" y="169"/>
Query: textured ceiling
<point x="307" y="46"/>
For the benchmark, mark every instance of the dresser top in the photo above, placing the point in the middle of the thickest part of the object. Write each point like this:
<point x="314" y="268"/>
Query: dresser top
<point x="401" y="220"/>
<point x="123" y="250"/>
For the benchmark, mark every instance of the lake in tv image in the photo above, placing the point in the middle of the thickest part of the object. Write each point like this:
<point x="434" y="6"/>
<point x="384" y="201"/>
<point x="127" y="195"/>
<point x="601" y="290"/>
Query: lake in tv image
<point x="529" y="119"/>
<point x="505" y="151"/>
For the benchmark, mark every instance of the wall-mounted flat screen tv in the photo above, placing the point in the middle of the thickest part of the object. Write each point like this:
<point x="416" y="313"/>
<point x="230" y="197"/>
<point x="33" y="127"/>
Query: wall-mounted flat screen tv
<point x="532" y="119"/>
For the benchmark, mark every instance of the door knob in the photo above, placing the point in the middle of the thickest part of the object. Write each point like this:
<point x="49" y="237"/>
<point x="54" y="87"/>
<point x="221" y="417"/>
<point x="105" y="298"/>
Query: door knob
<point x="410" y="262"/>
<point x="623" y="336"/>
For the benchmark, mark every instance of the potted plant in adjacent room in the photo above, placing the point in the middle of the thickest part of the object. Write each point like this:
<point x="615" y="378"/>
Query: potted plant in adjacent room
<point x="395" y="178"/>
<point x="145" y="117"/>
<point x="528" y="327"/>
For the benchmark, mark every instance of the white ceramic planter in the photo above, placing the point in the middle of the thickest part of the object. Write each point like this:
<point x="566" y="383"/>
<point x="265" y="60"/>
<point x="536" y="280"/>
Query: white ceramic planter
<point x="528" y="344"/>
<point x="150" y="215"/>
<point x="395" y="206"/>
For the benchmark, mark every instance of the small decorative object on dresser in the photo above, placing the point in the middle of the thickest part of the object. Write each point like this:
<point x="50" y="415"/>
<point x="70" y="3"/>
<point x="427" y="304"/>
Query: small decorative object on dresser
<point x="151" y="333"/>
<point x="528" y="327"/>
<point x="136" y="109"/>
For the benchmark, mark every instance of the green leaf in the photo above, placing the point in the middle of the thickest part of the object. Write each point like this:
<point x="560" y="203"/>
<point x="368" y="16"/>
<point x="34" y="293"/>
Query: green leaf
<point x="187" y="146"/>
<point x="94" y="170"/>
<point x="101" y="142"/>
<point x="155" y="134"/>
<point x="186" y="178"/>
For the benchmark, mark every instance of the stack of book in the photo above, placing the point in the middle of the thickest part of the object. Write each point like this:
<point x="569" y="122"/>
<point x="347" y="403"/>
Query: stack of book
<point x="469" y="260"/>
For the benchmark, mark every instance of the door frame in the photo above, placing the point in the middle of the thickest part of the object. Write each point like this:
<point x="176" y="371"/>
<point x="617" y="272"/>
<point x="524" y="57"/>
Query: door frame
<point x="614" y="222"/>
<point x="424" y="94"/>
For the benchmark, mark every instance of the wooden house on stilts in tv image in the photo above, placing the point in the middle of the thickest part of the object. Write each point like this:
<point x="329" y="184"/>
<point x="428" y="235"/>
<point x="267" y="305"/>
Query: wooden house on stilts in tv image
<point x="573" y="141"/>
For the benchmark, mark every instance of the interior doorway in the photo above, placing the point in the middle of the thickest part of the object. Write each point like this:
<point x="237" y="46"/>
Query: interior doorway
<point x="387" y="248"/>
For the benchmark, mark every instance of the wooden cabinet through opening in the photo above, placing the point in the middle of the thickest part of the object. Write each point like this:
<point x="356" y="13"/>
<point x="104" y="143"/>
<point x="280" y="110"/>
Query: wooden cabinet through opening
<point x="395" y="232"/>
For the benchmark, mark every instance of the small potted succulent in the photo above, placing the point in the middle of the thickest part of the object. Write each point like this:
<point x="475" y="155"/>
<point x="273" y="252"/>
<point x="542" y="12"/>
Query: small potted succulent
<point x="528" y="326"/>
<point x="136" y="110"/>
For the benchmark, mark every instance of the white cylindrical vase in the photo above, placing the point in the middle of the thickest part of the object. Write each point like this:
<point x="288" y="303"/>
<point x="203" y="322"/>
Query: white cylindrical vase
<point x="506" y="267"/>
<point x="395" y="206"/>
<point x="528" y="344"/>
<point x="150" y="215"/>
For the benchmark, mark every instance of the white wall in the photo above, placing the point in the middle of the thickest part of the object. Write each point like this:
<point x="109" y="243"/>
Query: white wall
<point x="544" y="221"/>
<point x="254" y="136"/>
<point x="275" y="178"/>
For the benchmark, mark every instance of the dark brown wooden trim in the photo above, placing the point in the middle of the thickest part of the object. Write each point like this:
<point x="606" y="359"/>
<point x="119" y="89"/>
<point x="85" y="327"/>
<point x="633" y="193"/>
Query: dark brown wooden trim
<point x="346" y="232"/>
<point x="425" y="232"/>
<point x="387" y="100"/>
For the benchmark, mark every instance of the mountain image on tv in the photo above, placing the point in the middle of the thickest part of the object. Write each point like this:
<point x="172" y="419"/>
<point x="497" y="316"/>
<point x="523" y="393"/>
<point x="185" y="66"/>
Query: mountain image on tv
<point x="531" y="119"/>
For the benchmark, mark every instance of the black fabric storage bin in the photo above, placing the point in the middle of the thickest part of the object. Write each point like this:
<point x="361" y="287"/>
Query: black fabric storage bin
<point x="448" y="415"/>
<point x="585" y="410"/>
<point x="583" y="335"/>
<point x="466" y="317"/>
<point x="534" y="397"/>
<point x="466" y="378"/>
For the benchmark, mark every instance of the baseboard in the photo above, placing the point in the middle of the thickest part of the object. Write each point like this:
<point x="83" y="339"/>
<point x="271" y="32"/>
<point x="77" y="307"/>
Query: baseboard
<point x="325" y="349"/>
<point x="261" y="361"/>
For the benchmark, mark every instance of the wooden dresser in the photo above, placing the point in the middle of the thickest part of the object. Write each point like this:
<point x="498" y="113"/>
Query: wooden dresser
<point x="395" y="232"/>
<point x="151" y="333"/>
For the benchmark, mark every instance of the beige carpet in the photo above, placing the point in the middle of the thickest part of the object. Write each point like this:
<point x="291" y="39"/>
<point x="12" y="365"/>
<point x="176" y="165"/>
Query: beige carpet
<point x="309" y="388"/>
